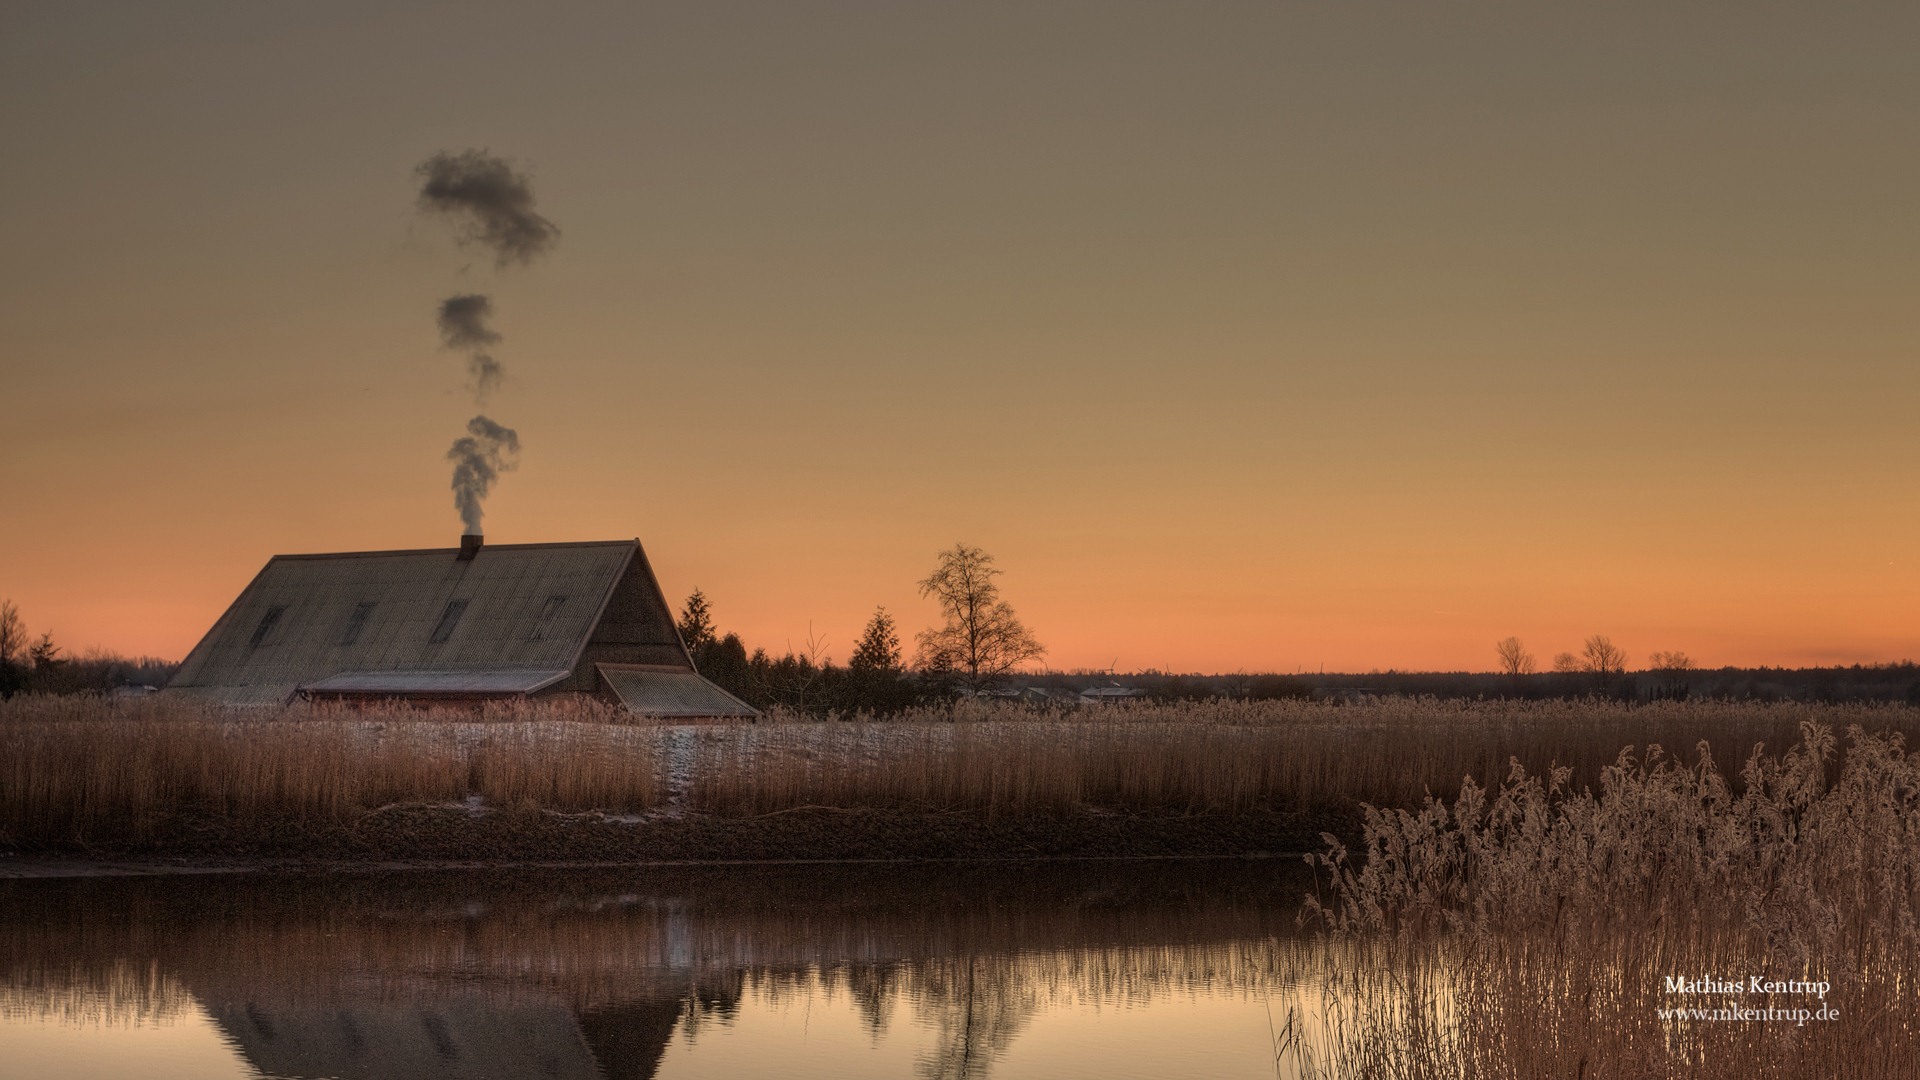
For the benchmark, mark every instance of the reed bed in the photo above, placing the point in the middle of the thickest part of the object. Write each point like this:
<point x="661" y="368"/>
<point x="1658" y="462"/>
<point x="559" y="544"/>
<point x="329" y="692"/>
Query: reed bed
<point x="79" y="771"/>
<point x="1535" y="930"/>
<point x="997" y="767"/>
<point x="1214" y="757"/>
<point x="85" y="770"/>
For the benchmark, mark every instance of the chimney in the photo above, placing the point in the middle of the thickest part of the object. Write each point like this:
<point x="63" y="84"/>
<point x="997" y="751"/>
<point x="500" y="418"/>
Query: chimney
<point x="470" y="546"/>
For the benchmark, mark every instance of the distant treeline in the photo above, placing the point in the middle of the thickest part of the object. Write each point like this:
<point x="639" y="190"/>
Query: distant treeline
<point x="1860" y="682"/>
<point x="40" y="666"/>
<point x="876" y="679"/>
<point x="797" y="682"/>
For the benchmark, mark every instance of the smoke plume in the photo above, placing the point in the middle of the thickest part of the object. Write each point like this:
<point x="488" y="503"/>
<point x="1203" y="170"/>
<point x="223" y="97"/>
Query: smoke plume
<point x="463" y="322"/>
<point x="492" y="204"/>
<point x="463" y="325"/>
<point x="479" y="457"/>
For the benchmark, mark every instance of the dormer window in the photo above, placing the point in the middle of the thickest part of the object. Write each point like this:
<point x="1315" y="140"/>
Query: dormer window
<point x="263" y="634"/>
<point x="543" y="626"/>
<point x="449" y="619"/>
<point x="356" y="622"/>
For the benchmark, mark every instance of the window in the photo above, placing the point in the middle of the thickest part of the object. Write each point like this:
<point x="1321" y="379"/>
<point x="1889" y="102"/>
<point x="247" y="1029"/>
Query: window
<point x="267" y="622"/>
<point x="449" y="619"/>
<point x="356" y="622"/>
<point x="543" y="626"/>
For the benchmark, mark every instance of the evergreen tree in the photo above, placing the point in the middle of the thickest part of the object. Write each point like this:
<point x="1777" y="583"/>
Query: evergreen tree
<point x="724" y="662"/>
<point x="46" y="667"/>
<point x="45" y="655"/>
<point x="696" y="624"/>
<point x="879" y="646"/>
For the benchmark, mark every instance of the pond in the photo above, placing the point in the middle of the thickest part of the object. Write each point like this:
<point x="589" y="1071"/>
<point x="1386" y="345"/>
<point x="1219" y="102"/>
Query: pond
<point x="1095" y="969"/>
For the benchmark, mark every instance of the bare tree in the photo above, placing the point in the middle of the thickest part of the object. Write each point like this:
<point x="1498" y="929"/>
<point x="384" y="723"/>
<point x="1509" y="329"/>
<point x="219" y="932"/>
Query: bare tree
<point x="13" y="633"/>
<point x="1514" y="657"/>
<point x="1565" y="662"/>
<point x="982" y="640"/>
<point x="13" y="647"/>
<point x="1670" y="661"/>
<point x="1602" y="656"/>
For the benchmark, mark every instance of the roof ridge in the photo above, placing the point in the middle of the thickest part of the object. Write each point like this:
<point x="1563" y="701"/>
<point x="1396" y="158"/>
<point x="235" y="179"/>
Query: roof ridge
<point x="452" y="550"/>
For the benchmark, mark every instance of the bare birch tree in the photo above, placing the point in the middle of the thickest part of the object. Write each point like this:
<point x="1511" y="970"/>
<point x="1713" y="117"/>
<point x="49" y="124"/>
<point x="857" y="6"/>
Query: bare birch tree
<point x="982" y="640"/>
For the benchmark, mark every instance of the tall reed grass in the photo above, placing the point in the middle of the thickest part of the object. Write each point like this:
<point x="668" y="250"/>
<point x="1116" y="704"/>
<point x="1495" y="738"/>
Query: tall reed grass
<point x="80" y="771"/>
<point x="75" y="770"/>
<point x="1532" y="930"/>
<point x="1205" y="757"/>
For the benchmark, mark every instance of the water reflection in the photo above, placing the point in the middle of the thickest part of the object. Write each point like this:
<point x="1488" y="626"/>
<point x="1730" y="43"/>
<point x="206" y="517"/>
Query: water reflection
<point x="590" y="974"/>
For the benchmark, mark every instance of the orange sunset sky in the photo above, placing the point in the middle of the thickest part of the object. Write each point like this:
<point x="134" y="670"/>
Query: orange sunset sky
<point x="1246" y="336"/>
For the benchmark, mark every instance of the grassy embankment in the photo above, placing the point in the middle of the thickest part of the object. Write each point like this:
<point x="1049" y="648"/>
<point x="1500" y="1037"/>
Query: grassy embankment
<point x="572" y="780"/>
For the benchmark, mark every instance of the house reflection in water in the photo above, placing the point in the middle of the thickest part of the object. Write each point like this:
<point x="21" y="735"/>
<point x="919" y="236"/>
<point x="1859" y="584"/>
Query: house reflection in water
<point x="592" y="975"/>
<point x="452" y="1035"/>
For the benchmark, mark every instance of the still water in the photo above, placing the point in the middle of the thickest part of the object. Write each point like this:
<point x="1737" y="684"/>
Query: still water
<point x="1041" y="970"/>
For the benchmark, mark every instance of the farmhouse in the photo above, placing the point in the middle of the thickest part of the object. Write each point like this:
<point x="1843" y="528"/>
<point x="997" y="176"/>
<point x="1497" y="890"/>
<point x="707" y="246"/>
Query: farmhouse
<point x="455" y="625"/>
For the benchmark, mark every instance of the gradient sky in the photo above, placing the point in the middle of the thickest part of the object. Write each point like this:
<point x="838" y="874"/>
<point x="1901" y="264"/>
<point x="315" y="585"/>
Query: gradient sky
<point x="1246" y="336"/>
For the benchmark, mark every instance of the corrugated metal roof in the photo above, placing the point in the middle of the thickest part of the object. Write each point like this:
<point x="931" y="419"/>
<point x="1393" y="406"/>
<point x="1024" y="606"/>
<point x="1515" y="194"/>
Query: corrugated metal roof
<point x="400" y="683"/>
<point x="664" y="691"/>
<point x="512" y="608"/>
<point x="264" y="696"/>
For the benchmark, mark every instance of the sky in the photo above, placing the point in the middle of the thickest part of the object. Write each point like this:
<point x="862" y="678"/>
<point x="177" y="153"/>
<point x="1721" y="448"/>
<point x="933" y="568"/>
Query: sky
<point x="1245" y="336"/>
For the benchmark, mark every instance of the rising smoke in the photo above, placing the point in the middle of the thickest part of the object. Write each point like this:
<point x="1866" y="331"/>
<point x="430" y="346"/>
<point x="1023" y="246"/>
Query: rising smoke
<point x="492" y="203"/>
<point x="463" y="325"/>
<point x="479" y="457"/>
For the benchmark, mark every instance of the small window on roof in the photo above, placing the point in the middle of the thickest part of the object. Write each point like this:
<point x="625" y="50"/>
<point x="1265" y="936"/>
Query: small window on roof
<point x="449" y="619"/>
<point x="543" y="626"/>
<point x="264" y="631"/>
<point x="356" y="622"/>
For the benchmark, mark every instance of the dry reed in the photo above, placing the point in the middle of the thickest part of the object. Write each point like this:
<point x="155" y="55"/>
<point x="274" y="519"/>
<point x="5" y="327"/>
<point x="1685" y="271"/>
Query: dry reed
<point x="1533" y="931"/>
<point x="76" y="770"/>
<point x="1210" y="757"/>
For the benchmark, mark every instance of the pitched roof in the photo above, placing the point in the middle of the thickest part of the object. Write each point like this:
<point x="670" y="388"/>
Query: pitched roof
<point x="514" y="613"/>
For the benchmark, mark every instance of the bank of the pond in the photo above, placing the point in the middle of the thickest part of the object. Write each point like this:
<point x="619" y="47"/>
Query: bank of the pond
<point x="175" y="778"/>
<point x="460" y="832"/>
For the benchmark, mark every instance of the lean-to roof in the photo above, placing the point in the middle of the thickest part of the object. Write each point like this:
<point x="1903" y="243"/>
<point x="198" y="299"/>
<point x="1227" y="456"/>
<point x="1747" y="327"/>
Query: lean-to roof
<point x="670" y="693"/>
